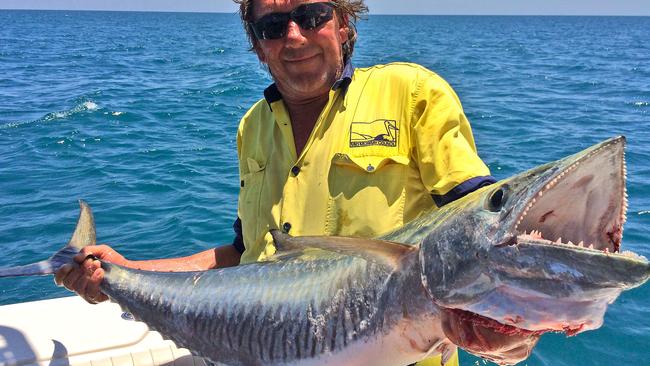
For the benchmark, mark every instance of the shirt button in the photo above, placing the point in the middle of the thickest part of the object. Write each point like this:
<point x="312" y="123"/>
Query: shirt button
<point x="286" y="227"/>
<point x="295" y="170"/>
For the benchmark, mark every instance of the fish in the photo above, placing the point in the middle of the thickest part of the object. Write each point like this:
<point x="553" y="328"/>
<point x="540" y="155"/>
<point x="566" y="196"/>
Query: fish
<point x="490" y="273"/>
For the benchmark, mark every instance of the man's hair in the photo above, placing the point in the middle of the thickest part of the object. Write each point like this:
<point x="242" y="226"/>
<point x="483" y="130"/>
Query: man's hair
<point x="353" y="9"/>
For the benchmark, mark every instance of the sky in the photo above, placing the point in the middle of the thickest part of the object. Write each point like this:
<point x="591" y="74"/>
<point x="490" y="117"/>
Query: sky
<point x="442" y="7"/>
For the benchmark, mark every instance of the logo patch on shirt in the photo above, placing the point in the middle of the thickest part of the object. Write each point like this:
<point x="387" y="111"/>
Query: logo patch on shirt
<point x="381" y="132"/>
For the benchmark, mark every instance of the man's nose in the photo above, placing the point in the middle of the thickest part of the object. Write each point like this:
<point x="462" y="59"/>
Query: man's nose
<point x="294" y="32"/>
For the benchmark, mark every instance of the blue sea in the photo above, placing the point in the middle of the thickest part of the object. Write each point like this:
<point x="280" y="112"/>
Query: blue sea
<point x="136" y="113"/>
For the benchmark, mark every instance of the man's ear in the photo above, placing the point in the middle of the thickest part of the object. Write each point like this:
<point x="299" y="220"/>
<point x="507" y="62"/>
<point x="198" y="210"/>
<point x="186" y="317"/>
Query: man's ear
<point x="344" y="28"/>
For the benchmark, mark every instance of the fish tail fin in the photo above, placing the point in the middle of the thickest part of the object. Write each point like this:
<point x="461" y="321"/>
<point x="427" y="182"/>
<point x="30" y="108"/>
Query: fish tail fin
<point x="84" y="235"/>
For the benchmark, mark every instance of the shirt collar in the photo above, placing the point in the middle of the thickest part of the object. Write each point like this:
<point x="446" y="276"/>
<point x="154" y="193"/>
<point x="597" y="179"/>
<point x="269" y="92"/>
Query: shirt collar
<point x="346" y="77"/>
<point x="272" y="94"/>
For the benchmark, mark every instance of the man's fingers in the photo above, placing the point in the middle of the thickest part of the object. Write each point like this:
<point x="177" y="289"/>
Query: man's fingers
<point x="93" y="292"/>
<point x="62" y="273"/>
<point x="80" y="285"/>
<point x="70" y="279"/>
<point x="90" y="266"/>
<point x="84" y="253"/>
<point x="83" y="278"/>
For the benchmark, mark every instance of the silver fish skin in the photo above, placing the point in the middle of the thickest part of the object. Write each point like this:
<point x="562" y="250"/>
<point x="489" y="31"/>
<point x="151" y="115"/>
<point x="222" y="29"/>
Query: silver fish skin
<point x="493" y="259"/>
<point x="314" y="309"/>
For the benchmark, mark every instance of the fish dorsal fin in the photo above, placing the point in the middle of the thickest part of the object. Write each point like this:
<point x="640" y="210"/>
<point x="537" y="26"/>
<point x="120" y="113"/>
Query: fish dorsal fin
<point x="388" y="252"/>
<point x="84" y="233"/>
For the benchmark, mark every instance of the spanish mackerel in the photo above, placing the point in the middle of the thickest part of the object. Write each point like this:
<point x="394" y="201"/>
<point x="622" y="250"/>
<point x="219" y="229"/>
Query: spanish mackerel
<point x="539" y="252"/>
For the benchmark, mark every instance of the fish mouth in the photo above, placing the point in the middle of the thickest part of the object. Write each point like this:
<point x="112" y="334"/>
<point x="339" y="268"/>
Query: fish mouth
<point x="505" y="329"/>
<point x="583" y="205"/>
<point x="563" y="265"/>
<point x="487" y="338"/>
<point x="552" y="261"/>
<point x="559" y="263"/>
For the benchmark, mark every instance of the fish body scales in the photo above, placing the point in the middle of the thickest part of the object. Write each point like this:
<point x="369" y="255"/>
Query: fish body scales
<point x="311" y="309"/>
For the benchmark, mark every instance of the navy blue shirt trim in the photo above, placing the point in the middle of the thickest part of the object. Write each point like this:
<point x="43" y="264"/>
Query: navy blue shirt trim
<point x="463" y="189"/>
<point x="238" y="242"/>
<point x="346" y="77"/>
<point x="272" y="94"/>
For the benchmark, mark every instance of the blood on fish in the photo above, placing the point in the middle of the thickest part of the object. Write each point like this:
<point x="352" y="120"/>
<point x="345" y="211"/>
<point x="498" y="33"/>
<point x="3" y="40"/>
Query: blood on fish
<point x="493" y="324"/>
<point x="615" y="237"/>
<point x="571" y="331"/>
<point x="545" y="216"/>
<point x="516" y="320"/>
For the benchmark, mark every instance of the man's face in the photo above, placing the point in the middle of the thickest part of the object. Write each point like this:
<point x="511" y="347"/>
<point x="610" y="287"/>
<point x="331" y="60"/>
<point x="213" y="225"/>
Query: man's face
<point x="304" y="63"/>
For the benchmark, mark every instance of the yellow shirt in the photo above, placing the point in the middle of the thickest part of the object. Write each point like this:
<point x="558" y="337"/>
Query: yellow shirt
<point x="391" y="140"/>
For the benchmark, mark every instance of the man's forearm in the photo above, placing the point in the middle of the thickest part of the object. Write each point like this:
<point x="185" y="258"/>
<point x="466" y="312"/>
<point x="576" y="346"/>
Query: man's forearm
<point x="223" y="256"/>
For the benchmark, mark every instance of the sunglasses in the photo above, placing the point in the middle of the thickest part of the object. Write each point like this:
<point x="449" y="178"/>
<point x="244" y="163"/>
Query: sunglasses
<point x="307" y="16"/>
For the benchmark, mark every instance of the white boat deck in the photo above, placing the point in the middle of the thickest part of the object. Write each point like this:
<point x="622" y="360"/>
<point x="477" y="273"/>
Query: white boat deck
<point x="70" y="332"/>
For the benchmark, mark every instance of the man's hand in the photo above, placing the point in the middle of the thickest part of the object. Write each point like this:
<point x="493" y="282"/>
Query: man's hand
<point x="85" y="275"/>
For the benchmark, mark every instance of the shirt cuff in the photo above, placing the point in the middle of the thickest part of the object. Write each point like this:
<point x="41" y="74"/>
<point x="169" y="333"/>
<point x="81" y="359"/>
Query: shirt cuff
<point x="463" y="189"/>
<point x="238" y="241"/>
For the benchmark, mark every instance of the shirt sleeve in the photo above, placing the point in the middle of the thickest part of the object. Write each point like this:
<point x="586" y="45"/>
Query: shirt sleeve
<point x="444" y="145"/>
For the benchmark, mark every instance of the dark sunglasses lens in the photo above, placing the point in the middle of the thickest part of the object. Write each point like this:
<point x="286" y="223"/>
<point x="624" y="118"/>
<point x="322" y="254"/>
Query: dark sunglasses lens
<point x="307" y="16"/>
<point x="310" y="16"/>
<point x="272" y="26"/>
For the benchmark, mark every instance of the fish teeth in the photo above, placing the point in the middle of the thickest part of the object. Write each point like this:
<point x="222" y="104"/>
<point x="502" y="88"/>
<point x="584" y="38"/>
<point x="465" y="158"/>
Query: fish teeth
<point x="570" y="242"/>
<point x="591" y="246"/>
<point x="559" y="240"/>
<point x="627" y="253"/>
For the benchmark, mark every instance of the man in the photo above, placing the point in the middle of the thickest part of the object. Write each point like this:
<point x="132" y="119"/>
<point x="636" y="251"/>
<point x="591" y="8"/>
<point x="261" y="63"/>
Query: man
<point x="330" y="150"/>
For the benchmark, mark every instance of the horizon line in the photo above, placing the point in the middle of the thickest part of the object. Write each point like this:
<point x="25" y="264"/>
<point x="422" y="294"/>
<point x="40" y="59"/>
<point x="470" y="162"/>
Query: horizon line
<point x="370" y="14"/>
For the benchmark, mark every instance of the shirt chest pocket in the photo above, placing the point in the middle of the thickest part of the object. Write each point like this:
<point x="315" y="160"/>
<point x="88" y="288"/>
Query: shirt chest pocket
<point x="249" y="199"/>
<point x="366" y="194"/>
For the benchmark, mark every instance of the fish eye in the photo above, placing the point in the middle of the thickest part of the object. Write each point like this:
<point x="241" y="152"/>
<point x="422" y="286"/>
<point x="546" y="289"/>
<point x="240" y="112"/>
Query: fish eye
<point x="496" y="200"/>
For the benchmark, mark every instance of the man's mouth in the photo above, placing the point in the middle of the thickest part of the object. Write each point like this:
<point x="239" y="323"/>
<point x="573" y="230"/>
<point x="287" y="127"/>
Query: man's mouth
<point x="300" y="58"/>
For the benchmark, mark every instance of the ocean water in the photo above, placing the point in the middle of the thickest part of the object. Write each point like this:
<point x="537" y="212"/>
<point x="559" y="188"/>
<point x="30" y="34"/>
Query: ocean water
<point x="137" y="113"/>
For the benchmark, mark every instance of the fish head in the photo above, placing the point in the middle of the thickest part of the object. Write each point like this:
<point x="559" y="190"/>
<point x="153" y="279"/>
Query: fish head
<point x="538" y="252"/>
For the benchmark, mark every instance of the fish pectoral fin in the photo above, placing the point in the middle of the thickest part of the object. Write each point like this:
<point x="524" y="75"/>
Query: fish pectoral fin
<point x="388" y="252"/>
<point x="283" y="242"/>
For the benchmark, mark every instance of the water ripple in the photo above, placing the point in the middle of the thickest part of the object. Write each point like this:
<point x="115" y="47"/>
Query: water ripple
<point x="137" y="114"/>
